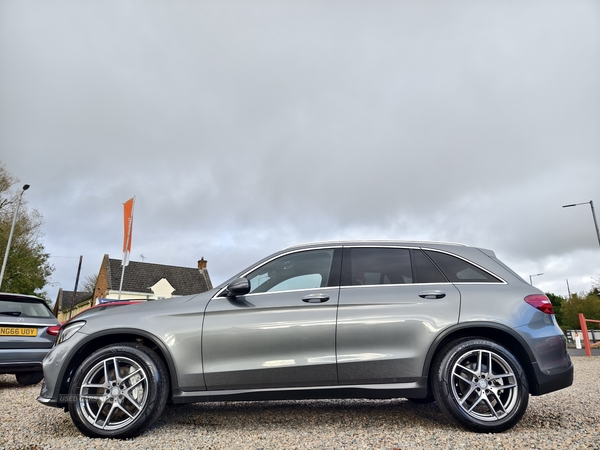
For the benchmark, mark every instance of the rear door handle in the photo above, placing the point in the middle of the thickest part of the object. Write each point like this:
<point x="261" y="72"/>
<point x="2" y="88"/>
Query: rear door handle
<point x="432" y="295"/>
<point x="315" y="298"/>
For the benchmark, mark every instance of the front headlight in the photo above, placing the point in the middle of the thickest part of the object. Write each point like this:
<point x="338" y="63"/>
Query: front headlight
<point x="68" y="331"/>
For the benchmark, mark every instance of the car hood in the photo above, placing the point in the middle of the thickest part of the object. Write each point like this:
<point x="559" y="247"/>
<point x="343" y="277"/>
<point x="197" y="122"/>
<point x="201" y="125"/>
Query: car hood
<point x="133" y="315"/>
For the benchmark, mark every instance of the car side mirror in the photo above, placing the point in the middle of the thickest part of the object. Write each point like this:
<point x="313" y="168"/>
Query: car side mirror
<point x="239" y="286"/>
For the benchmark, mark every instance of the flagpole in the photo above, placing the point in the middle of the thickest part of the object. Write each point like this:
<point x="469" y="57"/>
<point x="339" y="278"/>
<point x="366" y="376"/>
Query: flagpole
<point x="76" y="283"/>
<point x="126" y="247"/>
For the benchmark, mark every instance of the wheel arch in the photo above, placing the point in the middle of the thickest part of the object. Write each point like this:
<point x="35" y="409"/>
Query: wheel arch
<point x="495" y="332"/>
<point x="114" y="336"/>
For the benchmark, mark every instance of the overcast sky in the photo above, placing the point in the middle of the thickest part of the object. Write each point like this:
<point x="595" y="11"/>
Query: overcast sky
<point x="242" y="127"/>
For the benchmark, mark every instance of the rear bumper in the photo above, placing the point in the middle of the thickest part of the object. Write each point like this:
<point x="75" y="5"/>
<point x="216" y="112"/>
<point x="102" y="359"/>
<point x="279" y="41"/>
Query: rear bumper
<point x="20" y="367"/>
<point x="22" y="360"/>
<point x="554" y="379"/>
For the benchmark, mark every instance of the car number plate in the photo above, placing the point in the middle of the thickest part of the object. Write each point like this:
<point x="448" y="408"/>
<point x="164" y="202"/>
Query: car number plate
<point x="14" y="331"/>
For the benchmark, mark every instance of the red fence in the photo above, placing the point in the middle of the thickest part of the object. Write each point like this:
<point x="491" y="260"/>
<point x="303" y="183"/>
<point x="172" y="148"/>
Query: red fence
<point x="586" y="339"/>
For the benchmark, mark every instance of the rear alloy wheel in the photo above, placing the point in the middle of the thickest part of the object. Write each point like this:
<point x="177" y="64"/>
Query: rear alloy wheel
<point x="481" y="385"/>
<point x="118" y="391"/>
<point x="27" y="378"/>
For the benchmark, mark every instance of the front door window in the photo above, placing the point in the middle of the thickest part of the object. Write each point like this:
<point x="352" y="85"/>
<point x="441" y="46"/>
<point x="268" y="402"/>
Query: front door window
<point x="303" y="270"/>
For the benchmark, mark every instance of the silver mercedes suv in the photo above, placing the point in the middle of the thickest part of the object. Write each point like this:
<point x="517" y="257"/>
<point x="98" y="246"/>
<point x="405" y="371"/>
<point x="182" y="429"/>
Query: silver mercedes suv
<point x="418" y="320"/>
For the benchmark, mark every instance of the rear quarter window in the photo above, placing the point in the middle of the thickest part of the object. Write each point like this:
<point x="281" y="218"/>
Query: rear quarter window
<point x="458" y="270"/>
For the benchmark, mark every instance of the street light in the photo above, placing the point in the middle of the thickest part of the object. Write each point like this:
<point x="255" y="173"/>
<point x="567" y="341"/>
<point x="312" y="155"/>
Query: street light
<point x="536" y="275"/>
<point x="12" y="230"/>
<point x="591" y="203"/>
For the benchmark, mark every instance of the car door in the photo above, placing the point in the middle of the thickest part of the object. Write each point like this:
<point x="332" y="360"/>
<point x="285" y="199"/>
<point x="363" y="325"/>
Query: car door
<point x="282" y="333"/>
<point x="393" y="303"/>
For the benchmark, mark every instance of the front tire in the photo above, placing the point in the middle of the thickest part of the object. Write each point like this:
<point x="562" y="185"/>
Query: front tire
<point x="480" y="385"/>
<point x="118" y="391"/>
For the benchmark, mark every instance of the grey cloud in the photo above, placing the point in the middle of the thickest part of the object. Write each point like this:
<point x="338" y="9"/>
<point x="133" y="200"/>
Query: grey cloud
<point x="241" y="128"/>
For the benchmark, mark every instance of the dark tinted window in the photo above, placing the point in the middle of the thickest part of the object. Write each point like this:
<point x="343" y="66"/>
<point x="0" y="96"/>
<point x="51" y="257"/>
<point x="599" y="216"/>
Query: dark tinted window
<point x="460" y="271"/>
<point x="369" y="266"/>
<point x="303" y="270"/>
<point x="425" y="270"/>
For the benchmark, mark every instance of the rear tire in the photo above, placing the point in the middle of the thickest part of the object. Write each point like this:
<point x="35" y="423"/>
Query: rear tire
<point x="118" y="391"/>
<point x="422" y="401"/>
<point x="28" y="378"/>
<point x="480" y="385"/>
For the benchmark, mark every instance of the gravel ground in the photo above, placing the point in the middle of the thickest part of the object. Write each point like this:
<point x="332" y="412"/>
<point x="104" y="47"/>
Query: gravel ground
<point x="568" y="419"/>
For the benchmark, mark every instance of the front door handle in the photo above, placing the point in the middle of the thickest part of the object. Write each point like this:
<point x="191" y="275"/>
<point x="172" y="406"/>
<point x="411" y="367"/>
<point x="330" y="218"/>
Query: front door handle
<point x="432" y="295"/>
<point x="315" y="298"/>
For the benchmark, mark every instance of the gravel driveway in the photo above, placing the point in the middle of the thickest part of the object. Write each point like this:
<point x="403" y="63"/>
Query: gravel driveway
<point x="568" y="419"/>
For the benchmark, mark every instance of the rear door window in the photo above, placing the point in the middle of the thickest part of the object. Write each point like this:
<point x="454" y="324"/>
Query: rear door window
<point x="376" y="266"/>
<point x="372" y="266"/>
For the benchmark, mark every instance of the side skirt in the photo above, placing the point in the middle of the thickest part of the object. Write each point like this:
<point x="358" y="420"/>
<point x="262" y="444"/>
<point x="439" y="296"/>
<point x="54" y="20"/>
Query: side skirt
<point x="417" y="389"/>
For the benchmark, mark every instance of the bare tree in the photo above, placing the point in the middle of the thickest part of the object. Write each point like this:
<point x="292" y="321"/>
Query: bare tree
<point x="89" y="283"/>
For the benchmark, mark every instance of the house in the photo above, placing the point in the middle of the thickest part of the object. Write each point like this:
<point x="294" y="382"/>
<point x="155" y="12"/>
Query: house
<point x="147" y="281"/>
<point x="66" y="307"/>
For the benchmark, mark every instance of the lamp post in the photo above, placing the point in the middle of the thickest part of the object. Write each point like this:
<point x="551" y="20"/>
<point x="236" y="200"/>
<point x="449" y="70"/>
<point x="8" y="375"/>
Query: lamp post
<point x="591" y="203"/>
<point x="12" y="230"/>
<point x="536" y="275"/>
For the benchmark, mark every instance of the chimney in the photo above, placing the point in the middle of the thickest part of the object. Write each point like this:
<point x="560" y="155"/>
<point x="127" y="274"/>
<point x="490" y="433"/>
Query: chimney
<point x="202" y="263"/>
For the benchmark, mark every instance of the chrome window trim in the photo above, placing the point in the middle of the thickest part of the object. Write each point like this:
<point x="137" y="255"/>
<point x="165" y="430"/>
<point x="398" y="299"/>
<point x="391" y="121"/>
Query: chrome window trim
<point x="25" y="324"/>
<point x="446" y="283"/>
<point x="425" y="284"/>
<point x="291" y="290"/>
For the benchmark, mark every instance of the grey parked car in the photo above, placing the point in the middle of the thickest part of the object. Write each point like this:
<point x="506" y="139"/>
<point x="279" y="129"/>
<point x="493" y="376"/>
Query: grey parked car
<point x="419" y="320"/>
<point x="28" y="331"/>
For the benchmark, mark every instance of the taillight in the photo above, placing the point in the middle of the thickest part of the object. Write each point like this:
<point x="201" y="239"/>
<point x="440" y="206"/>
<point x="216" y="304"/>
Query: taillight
<point x="53" y="330"/>
<point x="540" y="302"/>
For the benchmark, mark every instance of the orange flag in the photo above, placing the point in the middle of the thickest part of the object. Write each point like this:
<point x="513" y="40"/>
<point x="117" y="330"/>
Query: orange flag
<point x="127" y="229"/>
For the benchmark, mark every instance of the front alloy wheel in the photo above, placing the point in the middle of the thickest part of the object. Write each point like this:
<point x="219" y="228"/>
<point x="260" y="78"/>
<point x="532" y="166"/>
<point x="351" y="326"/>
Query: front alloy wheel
<point x="118" y="391"/>
<point x="481" y="385"/>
